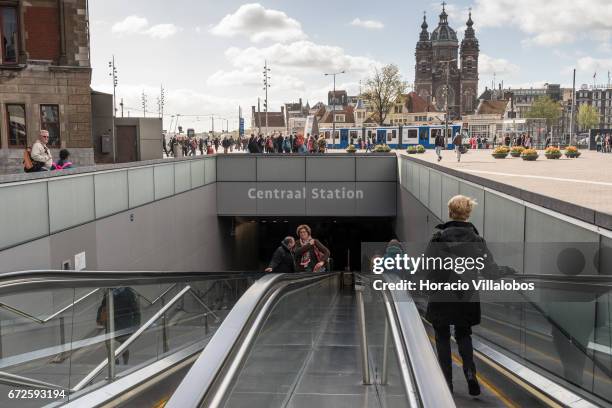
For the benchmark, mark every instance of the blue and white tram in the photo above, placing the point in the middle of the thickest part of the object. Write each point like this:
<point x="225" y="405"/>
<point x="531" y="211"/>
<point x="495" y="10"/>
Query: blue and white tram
<point x="410" y="135"/>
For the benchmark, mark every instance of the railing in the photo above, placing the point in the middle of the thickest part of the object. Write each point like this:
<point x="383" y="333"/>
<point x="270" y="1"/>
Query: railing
<point x="415" y="367"/>
<point x="211" y="376"/>
<point x="154" y="301"/>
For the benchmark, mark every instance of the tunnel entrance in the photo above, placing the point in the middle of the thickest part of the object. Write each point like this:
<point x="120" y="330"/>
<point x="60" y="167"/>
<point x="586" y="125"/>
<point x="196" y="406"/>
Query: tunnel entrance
<point x="343" y="236"/>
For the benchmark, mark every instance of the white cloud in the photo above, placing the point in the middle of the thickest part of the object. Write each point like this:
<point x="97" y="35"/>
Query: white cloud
<point x="548" y="22"/>
<point x="368" y="24"/>
<point x="259" y="24"/>
<point x="592" y="65"/>
<point x="130" y="25"/>
<point x="140" y="25"/>
<point x="490" y="65"/>
<point x="252" y="77"/>
<point x="301" y="55"/>
<point x="162" y="31"/>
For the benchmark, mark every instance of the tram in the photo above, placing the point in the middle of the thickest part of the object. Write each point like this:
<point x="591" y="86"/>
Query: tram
<point x="390" y="135"/>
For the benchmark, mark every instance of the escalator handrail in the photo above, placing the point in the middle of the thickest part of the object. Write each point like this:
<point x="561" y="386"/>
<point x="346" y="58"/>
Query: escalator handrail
<point x="12" y="282"/>
<point x="431" y="385"/>
<point x="225" y="343"/>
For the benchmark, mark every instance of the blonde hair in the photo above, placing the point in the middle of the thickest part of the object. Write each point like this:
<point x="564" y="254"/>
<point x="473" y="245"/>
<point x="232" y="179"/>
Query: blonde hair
<point x="460" y="207"/>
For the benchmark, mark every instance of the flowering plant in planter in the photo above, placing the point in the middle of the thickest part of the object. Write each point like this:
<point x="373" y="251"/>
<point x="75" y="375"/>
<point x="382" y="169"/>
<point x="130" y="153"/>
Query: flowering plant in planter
<point x="420" y="149"/>
<point x="529" y="155"/>
<point x="516" y="151"/>
<point x="411" y="150"/>
<point x="552" y="152"/>
<point x="351" y="149"/>
<point x="572" y="152"/>
<point x="382" y="148"/>
<point x="500" y="152"/>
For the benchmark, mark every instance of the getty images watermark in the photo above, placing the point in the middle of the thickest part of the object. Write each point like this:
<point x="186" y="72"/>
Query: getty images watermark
<point x="314" y="193"/>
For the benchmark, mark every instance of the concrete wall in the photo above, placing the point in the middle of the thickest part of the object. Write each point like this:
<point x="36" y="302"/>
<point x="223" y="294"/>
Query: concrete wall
<point x="159" y="216"/>
<point x="369" y="182"/>
<point x="520" y="234"/>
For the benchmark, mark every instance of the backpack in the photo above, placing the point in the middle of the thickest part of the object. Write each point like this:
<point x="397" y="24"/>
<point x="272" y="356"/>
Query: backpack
<point x="29" y="165"/>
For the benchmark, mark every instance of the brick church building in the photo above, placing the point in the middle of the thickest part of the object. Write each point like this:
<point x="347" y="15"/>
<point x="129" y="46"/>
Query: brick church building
<point x="439" y="60"/>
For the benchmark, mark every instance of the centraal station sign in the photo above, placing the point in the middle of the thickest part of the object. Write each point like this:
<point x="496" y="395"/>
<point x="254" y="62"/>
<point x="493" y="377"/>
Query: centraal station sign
<point x="342" y="193"/>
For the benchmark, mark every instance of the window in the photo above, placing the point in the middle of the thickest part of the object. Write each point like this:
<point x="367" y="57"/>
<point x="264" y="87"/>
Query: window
<point x="339" y="118"/>
<point x="17" y="136"/>
<point x="9" y="28"/>
<point x="49" y="120"/>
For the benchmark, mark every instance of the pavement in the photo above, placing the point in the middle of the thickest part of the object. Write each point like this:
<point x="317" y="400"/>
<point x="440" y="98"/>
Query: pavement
<point x="585" y="181"/>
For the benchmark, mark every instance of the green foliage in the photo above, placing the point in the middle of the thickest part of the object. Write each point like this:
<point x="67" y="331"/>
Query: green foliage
<point x="545" y="108"/>
<point x="588" y="117"/>
<point x="382" y="148"/>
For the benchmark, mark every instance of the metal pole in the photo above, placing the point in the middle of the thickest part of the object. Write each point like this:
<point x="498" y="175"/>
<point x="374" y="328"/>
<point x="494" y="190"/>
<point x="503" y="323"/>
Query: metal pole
<point x="165" y="345"/>
<point x="573" y="108"/>
<point x="447" y="105"/>
<point x="334" y="114"/>
<point x="363" y="338"/>
<point x="385" y="369"/>
<point x="110" y="320"/>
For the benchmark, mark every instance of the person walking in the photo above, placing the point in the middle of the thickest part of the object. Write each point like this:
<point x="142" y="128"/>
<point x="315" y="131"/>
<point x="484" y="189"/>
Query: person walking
<point x="282" y="260"/>
<point x="458" y="238"/>
<point x="311" y="255"/>
<point x="439" y="143"/>
<point x="126" y="316"/>
<point x="457" y="142"/>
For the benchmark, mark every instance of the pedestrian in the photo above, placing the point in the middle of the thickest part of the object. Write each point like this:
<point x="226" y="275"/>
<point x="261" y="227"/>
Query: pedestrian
<point x="282" y="260"/>
<point x="164" y="145"/>
<point x="126" y="317"/>
<point x="287" y="145"/>
<point x="439" y="143"/>
<point x="216" y="143"/>
<point x="321" y="144"/>
<point x="63" y="162"/>
<point x="461" y="309"/>
<point x="311" y="255"/>
<point x="598" y="142"/>
<point x="457" y="142"/>
<point x="40" y="153"/>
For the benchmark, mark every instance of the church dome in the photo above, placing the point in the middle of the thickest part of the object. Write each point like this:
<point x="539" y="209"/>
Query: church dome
<point x="443" y="32"/>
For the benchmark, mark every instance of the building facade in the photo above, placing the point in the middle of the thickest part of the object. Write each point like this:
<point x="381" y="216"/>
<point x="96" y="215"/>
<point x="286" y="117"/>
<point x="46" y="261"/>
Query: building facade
<point x="441" y="61"/>
<point x="601" y="100"/>
<point x="45" y="78"/>
<point x="268" y="124"/>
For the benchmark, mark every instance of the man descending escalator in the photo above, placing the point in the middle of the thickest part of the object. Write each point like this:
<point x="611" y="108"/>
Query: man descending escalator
<point x="282" y="261"/>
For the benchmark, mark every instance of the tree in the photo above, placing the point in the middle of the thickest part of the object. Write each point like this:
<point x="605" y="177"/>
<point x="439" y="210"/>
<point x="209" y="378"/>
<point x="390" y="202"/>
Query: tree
<point x="545" y="108"/>
<point x="588" y="117"/>
<point x="383" y="89"/>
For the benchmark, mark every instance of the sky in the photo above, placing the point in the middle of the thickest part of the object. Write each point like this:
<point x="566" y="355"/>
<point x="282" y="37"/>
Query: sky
<point x="209" y="55"/>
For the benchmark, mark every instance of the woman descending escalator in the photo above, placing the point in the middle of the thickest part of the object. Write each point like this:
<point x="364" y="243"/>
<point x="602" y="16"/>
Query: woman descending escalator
<point x="310" y="254"/>
<point x="457" y="239"/>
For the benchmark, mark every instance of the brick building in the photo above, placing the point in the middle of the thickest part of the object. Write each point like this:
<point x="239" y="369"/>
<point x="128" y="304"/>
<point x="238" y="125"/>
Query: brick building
<point x="45" y="78"/>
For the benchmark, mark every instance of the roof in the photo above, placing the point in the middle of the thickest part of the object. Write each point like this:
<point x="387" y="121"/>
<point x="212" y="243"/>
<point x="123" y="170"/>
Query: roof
<point x="337" y="93"/>
<point x="492" y="107"/>
<point x="414" y="103"/>
<point x="349" y="116"/>
<point x="275" y="119"/>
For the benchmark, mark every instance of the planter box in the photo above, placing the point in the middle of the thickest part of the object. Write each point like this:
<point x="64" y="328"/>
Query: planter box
<point x="500" y="155"/>
<point x="553" y="156"/>
<point x="530" y="158"/>
<point x="517" y="154"/>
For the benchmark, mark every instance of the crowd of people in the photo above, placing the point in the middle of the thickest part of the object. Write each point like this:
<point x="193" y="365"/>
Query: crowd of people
<point x="277" y="143"/>
<point x="180" y="145"/>
<point x="39" y="158"/>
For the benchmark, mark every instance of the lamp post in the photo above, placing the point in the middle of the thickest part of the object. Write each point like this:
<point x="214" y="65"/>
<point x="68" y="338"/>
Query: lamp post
<point x="113" y="75"/>
<point x="447" y="92"/>
<point x="334" y="106"/>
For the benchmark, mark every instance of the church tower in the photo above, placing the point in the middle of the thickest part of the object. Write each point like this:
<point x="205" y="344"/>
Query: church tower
<point x="470" y="51"/>
<point x="424" y="58"/>
<point x="441" y="73"/>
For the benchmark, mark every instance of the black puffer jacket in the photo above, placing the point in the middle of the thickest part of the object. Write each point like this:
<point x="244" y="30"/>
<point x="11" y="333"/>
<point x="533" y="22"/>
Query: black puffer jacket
<point x="456" y="239"/>
<point x="282" y="260"/>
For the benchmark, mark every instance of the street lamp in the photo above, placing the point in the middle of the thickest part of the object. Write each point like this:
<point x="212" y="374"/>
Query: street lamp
<point x="334" y="105"/>
<point x="447" y="92"/>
